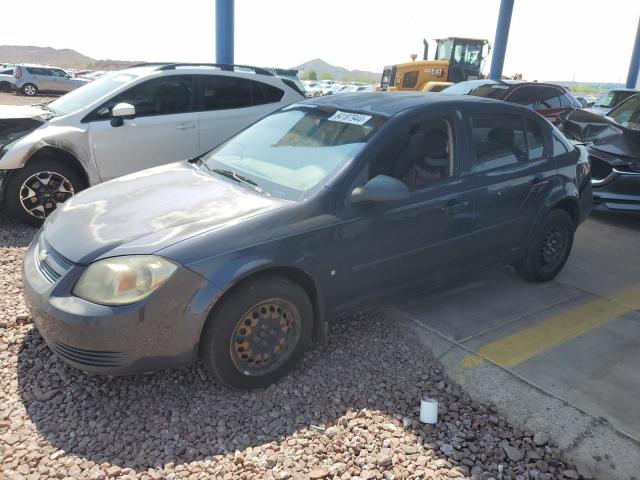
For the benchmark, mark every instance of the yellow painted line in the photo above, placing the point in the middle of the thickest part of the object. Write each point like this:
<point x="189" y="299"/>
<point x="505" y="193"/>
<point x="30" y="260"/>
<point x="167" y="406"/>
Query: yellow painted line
<point x="558" y="329"/>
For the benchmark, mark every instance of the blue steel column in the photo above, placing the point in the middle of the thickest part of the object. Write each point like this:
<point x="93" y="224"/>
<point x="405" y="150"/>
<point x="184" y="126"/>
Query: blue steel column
<point x="634" y="66"/>
<point x="224" y="31"/>
<point x="502" y="36"/>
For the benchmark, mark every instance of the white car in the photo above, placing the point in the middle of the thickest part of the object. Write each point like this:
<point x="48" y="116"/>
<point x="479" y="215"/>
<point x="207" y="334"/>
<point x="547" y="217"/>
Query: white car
<point x="126" y="121"/>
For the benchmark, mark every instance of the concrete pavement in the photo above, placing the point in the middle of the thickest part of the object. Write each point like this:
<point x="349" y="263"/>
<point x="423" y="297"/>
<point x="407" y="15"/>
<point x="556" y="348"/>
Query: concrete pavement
<point x="560" y="357"/>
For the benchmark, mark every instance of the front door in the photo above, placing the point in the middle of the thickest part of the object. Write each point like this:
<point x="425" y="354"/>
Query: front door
<point x="164" y="130"/>
<point x="387" y="246"/>
<point x="511" y="170"/>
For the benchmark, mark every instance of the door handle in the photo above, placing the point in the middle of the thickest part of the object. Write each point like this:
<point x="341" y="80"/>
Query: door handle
<point x="185" y="126"/>
<point x="454" y="205"/>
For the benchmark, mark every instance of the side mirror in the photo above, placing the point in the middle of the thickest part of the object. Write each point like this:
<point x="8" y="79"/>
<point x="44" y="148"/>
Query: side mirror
<point x="120" y="112"/>
<point x="380" y="189"/>
<point x="589" y="104"/>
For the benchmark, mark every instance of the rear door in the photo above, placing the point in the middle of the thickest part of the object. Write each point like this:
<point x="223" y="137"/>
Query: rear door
<point x="512" y="170"/>
<point x="228" y="104"/>
<point x="164" y="130"/>
<point x="42" y="78"/>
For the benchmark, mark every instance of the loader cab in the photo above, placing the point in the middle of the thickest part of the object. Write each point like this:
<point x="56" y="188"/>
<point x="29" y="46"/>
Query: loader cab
<point x="464" y="55"/>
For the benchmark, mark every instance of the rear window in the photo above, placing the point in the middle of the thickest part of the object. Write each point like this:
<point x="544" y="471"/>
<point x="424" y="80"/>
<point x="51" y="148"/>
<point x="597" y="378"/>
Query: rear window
<point x="499" y="141"/>
<point x="220" y="92"/>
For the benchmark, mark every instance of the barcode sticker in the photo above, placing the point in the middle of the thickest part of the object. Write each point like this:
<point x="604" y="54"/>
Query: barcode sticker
<point x="346" y="117"/>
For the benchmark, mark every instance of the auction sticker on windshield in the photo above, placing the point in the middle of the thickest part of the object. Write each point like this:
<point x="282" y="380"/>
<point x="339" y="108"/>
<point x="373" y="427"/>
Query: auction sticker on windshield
<point x="346" y="117"/>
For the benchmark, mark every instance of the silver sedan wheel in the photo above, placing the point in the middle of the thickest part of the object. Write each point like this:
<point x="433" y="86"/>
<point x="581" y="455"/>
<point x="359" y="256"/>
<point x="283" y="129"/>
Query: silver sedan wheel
<point x="29" y="90"/>
<point x="41" y="193"/>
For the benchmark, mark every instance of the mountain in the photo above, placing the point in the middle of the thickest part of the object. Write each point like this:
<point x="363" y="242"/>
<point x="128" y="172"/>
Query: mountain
<point x="65" y="58"/>
<point x="331" y="72"/>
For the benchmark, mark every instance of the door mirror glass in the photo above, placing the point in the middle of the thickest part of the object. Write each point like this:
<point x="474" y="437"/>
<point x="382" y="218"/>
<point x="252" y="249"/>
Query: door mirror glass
<point x="381" y="188"/>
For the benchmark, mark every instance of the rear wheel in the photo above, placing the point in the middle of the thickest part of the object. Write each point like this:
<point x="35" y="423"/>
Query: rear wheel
<point x="35" y="191"/>
<point x="549" y="248"/>
<point x="258" y="333"/>
<point x="29" y="89"/>
<point x="5" y="87"/>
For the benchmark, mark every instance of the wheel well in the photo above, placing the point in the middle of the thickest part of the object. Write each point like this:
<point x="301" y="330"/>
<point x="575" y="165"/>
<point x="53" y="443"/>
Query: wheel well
<point x="571" y="207"/>
<point x="64" y="156"/>
<point x="299" y="277"/>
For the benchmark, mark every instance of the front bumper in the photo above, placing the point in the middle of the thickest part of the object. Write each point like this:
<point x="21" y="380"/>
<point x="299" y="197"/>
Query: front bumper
<point x="617" y="192"/>
<point x="160" y="332"/>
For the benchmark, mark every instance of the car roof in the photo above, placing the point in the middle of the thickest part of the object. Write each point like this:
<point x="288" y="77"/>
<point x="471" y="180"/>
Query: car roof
<point x="388" y="104"/>
<point x="512" y="83"/>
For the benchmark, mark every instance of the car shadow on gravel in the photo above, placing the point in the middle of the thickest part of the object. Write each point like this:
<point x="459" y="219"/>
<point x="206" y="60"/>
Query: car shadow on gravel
<point x="14" y="234"/>
<point x="181" y="416"/>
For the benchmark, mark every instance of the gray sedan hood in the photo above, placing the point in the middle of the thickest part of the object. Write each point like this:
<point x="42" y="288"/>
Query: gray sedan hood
<point x="23" y="111"/>
<point x="149" y="210"/>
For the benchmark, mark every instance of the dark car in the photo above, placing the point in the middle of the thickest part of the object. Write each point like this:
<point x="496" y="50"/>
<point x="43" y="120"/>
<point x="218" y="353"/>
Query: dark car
<point x="614" y="152"/>
<point x="242" y="255"/>
<point x="554" y="102"/>
<point x="610" y="100"/>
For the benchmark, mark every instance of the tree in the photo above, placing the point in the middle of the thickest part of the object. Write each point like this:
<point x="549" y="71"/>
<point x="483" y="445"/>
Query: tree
<point x="310" y="75"/>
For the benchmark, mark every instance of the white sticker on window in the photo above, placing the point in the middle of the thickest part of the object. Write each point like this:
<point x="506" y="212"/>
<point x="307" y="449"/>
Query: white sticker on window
<point x="346" y="117"/>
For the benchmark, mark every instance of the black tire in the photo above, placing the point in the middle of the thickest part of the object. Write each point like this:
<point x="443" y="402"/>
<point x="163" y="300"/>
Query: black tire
<point x="221" y="336"/>
<point x="30" y="90"/>
<point x="18" y="179"/>
<point x="548" y="249"/>
<point x="5" y="87"/>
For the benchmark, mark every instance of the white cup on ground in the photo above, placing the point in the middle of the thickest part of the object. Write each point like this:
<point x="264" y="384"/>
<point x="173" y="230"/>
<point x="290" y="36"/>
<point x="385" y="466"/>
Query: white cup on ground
<point x="429" y="410"/>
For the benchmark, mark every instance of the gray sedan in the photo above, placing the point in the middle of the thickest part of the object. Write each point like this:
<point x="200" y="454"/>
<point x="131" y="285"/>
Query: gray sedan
<point x="240" y="257"/>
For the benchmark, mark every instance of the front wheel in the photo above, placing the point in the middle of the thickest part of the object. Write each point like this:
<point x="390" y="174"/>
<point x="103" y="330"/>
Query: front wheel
<point x="258" y="333"/>
<point x="549" y="248"/>
<point x="37" y="189"/>
<point x="30" y="90"/>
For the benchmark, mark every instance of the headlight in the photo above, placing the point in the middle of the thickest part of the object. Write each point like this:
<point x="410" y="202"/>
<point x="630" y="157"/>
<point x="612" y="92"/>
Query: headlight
<point x="123" y="280"/>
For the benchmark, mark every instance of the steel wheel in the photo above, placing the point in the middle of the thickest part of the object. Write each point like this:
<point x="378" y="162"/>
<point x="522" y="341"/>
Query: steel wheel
<point x="29" y="90"/>
<point x="265" y="336"/>
<point x="552" y="249"/>
<point x="41" y="193"/>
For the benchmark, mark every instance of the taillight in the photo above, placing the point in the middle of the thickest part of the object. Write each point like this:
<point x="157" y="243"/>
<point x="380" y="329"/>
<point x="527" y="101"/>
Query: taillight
<point x="18" y="72"/>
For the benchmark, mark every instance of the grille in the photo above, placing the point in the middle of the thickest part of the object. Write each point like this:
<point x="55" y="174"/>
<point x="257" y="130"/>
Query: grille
<point x="599" y="168"/>
<point x="53" y="265"/>
<point x="93" y="358"/>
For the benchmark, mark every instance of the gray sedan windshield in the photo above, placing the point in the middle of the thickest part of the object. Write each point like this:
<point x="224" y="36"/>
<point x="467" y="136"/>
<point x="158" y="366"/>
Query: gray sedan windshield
<point x="292" y="151"/>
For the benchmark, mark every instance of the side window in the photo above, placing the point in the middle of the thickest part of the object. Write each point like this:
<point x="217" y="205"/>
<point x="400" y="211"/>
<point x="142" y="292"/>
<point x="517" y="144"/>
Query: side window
<point x="549" y="97"/>
<point x="560" y="145"/>
<point x="57" y="73"/>
<point x="499" y="140"/>
<point x="264" y="93"/>
<point x="160" y="96"/>
<point x="220" y="92"/>
<point x="39" y="71"/>
<point x="420" y="156"/>
<point x="535" y="140"/>
<point x="525" y="96"/>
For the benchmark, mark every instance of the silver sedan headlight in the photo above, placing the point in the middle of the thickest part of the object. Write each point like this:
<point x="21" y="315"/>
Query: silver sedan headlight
<point x="123" y="280"/>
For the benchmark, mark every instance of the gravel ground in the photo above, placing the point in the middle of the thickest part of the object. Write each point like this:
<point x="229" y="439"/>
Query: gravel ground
<point x="16" y="99"/>
<point x="349" y="410"/>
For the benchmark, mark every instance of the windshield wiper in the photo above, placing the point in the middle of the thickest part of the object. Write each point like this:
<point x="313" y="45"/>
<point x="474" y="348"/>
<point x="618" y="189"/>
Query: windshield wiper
<point x="233" y="175"/>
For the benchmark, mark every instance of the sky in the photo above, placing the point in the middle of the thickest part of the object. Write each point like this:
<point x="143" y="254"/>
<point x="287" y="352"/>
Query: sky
<point x="588" y="40"/>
